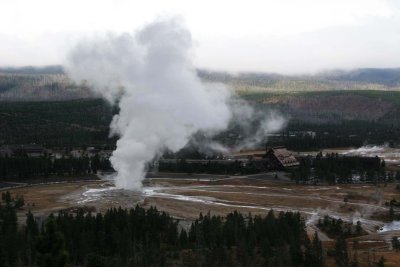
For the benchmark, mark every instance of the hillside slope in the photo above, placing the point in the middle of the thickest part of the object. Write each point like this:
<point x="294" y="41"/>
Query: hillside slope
<point x="64" y="123"/>
<point x="332" y="106"/>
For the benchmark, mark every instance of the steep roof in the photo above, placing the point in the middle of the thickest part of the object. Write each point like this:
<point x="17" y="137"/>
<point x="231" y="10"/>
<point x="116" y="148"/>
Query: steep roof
<point x="284" y="156"/>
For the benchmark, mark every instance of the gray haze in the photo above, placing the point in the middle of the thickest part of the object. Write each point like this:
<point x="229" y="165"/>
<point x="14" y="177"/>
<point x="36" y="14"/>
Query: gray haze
<point x="286" y="36"/>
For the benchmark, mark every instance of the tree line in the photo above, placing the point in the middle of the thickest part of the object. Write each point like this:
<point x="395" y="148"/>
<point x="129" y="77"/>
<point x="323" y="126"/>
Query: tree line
<point x="139" y="237"/>
<point x="61" y="124"/>
<point x="338" y="228"/>
<point x="210" y="166"/>
<point x="333" y="168"/>
<point x="346" y="133"/>
<point x="25" y="168"/>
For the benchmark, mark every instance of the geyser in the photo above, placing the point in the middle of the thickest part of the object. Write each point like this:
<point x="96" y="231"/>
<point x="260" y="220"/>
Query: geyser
<point x="161" y="99"/>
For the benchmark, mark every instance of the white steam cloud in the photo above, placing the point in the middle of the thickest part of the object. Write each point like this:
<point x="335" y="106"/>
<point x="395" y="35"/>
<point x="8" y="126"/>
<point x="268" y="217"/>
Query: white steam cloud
<point x="162" y="101"/>
<point x="270" y="124"/>
<point x="244" y="116"/>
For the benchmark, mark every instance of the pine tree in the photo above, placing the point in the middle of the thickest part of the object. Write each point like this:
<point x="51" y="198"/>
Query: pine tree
<point x="31" y="232"/>
<point x="51" y="247"/>
<point x="391" y="212"/>
<point x="396" y="243"/>
<point x="341" y="256"/>
<point x="318" y="250"/>
<point x="381" y="262"/>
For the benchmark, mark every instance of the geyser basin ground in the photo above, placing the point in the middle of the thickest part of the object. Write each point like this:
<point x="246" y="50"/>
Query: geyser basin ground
<point x="186" y="198"/>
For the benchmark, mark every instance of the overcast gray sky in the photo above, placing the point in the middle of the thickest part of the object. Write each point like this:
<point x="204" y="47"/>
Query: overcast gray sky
<point x="285" y="36"/>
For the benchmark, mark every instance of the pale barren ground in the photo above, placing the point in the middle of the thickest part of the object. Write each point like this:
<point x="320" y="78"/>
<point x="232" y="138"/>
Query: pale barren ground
<point x="186" y="198"/>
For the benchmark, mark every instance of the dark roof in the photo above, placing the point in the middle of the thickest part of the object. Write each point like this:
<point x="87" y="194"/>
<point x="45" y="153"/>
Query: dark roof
<point x="284" y="156"/>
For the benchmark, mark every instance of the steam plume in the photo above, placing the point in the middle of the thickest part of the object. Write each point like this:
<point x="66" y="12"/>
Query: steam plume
<point x="162" y="101"/>
<point x="268" y="123"/>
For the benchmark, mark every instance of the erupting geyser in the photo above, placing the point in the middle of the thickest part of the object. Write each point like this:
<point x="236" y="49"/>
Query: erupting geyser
<point x="162" y="101"/>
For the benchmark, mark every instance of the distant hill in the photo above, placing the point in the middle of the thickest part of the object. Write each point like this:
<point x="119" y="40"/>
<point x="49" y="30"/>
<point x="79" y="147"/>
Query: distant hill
<point x="57" y="69"/>
<point x="39" y="84"/>
<point x="56" y="123"/>
<point x="363" y="79"/>
<point x="50" y="83"/>
<point x="389" y="77"/>
<point x="332" y="106"/>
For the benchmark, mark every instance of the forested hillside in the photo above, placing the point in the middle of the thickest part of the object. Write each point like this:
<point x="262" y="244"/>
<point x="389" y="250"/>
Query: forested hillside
<point x="368" y="78"/>
<point x="65" y="123"/>
<point x="51" y="83"/>
<point x="326" y="110"/>
<point x="40" y="87"/>
<point x="331" y="106"/>
<point x="39" y="84"/>
<point x="86" y="122"/>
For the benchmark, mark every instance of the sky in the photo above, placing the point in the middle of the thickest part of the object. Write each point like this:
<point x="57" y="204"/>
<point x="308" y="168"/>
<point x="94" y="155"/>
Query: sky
<point x="285" y="36"/>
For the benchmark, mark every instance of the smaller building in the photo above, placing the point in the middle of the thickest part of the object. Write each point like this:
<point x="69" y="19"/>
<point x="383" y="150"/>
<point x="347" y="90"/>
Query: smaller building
<point x="29" y="150"/>
<point x="249" y="154"/>
<point x="77" y="153"/>
<point x="33" y="150"/>
<point x="6" y="151"/>
<point x="57" y="153"/>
